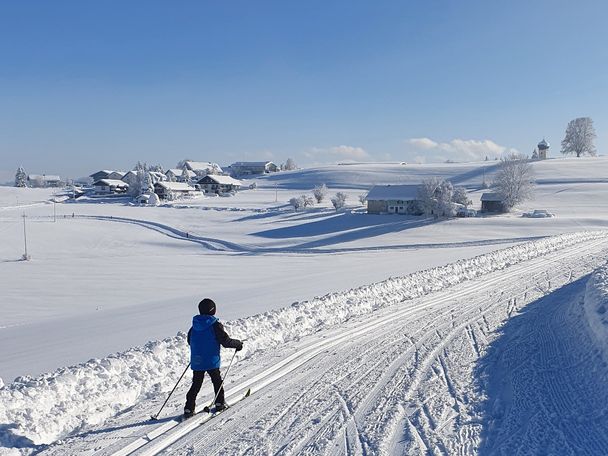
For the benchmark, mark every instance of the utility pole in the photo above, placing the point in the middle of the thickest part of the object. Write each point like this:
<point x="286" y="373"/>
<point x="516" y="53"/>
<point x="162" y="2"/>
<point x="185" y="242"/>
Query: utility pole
<point x="276" y="192"/>
<point x="25" y="255"/>
<point x="54" y="211"/>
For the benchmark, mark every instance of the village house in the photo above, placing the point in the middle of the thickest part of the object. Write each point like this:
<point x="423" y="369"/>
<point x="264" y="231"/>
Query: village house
<point x="219" y="184"/>
<point x="110" y="186"/>
<point x="107" y="174"/>
<point x="492" y="202"/>
<point x="180" y="175"/>
<point x="44" y="180"/>
<point x="253" y="168"/>
<point x="203" y="168"/>
<point x="393" y="199"/>
<point x="169" y="190"/>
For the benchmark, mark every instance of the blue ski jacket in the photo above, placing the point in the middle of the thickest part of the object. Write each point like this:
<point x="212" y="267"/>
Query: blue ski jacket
<point x="205" y="337"/>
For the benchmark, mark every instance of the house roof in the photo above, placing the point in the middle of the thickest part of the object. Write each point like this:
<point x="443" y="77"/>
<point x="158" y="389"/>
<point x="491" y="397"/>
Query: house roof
<point x="253" y="164"/>
<point x="491" y="197"/>
<point x="224" y="180"/>
<point x="393" y="192"/>
<point x="104" y="171"/>
<point x="203" y="166"/>
<point x="111" y="183"/>
<point x="44" y="177"/>
<point x="178" y="172"/>
<point x="176" y="186"/>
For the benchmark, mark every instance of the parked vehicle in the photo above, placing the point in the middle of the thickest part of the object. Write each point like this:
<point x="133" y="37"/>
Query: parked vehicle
<point x="464" y="212"/>
<point x="538" y="213"/>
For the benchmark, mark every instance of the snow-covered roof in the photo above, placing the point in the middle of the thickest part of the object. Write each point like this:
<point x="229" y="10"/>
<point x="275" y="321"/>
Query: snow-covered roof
<point x="178" y="172"/>
<point x="543" y="144"/>
<point x="111" y="183"/>
<point x="490" y="197"/>
<point x="203" y="166"/>
<point x="393" y="192"/>
<point x="105" y="171"/>
<point x="44" y="177"/>
<point x="176" y="186"/>
<point x="252" y="164"/>
<point x="224" y="180"/>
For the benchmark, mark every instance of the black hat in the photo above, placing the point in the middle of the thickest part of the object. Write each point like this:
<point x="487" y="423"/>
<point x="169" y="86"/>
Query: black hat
<point x="206" y="307"/>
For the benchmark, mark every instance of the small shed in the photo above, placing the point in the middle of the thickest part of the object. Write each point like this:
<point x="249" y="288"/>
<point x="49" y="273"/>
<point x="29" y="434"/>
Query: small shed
<point x="110" y="186"/>
<point x="212" y="183"/>
<point x="393" y="199"/>
<point x="492" y="202"/>
<point x="168" y="190"/>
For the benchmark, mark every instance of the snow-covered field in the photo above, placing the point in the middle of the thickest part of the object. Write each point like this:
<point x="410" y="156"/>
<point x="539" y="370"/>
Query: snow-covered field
<point x="359" y="363"/>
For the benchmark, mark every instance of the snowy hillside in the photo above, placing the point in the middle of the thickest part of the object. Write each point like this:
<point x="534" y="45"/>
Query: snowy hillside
<point x="365" y="333"/>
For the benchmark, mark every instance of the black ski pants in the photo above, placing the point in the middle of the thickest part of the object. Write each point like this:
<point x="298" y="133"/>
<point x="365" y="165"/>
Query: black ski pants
<point x="197" y="382"/>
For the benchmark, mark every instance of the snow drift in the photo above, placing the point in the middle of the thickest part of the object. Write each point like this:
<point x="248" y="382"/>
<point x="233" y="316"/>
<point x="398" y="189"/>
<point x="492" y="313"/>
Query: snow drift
<point x="596" y="308"/>
<point x="40" y="410"/>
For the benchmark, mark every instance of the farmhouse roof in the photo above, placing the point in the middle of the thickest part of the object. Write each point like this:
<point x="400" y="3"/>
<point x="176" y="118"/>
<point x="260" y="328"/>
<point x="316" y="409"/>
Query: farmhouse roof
<point x="259" y="163"/>
<point x="111" y="183"/>
<point x="491" y="197"/>
<point x="44" y="177"/>
<point x="393" y="192"/>
<point x="203" y="166"/>
<point x="176" y="186"/>
<point x="178" y="172"/>
<point x="224" y="180"/>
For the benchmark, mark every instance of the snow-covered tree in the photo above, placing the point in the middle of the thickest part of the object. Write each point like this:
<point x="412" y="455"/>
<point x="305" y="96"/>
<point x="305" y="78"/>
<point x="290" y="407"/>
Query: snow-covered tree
<point x="535" y="154"/>
<point x="319" y="192"/>
<point x="580" y="135"/>
<point x="297" y="203"/>
<point x="460" y="197"/>
<point x="514" y="181"/>
<point x="290" y="165"/>
<point x="156" y="169"/>
<point x="436" y="197"/>
<point x="20" y="178"/>
<point x="362" y="198"/>
<point x="182" y="163"/>
<point x="339" y="200"/>
<point x="308" y="200"/>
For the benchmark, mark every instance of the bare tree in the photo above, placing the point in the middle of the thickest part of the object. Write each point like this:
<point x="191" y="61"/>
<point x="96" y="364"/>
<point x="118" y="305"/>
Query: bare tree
<point x="339" y="200"/>
<point x="362" y="198"/>
<point x="580" y="135"/>
<point x="514" y="181"/>
<point x="319" y="192"/>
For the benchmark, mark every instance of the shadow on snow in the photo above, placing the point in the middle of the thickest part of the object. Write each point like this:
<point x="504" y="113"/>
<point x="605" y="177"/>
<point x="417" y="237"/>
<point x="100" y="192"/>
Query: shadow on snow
<point x="545" y="382"/>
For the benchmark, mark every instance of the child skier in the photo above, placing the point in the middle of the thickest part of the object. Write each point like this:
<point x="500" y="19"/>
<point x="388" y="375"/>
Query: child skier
<point x="205" y="337"/>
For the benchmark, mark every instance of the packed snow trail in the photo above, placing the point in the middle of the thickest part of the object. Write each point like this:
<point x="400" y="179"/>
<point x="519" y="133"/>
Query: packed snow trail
<point x="403" y="380"/>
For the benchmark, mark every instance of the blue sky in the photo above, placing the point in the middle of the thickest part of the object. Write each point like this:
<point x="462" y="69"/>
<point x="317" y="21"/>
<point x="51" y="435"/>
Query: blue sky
<point x="90" y="85"/>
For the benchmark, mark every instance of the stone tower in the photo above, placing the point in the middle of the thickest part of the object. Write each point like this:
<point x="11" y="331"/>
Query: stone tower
<point x="543" y="149"/>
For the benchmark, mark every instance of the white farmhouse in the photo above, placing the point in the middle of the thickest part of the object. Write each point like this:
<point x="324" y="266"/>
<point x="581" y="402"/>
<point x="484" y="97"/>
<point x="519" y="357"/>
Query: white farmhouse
<point x="393" y="199"/>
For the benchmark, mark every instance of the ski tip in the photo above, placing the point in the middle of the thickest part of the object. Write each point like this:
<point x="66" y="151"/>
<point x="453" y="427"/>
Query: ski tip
<point x="248" y="392"/>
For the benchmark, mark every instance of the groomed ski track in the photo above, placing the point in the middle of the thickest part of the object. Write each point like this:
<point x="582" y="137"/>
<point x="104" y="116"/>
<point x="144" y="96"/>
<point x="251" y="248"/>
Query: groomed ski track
<point x="413" y="379"/>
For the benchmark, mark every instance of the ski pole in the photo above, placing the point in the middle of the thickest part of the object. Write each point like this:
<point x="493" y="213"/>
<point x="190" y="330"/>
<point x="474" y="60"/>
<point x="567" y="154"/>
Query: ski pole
<point x="208" y="408"/>
<point x="155" y="417"/>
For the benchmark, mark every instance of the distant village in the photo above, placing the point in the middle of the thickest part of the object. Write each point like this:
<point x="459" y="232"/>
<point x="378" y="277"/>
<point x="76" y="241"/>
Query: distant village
<point x="151" y="182"/>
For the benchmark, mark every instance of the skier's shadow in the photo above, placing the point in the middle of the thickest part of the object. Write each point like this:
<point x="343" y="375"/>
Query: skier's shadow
<point x="142" y="423"/>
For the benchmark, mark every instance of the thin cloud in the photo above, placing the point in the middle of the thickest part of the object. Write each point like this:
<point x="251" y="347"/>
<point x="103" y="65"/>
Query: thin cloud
<point x="457" y="149"/>
<point x="342" y="152"/>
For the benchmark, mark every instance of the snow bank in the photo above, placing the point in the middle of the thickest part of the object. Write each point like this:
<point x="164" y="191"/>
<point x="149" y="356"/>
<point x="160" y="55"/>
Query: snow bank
<point x="41" y="410"/>
<point x="596" y="308"/>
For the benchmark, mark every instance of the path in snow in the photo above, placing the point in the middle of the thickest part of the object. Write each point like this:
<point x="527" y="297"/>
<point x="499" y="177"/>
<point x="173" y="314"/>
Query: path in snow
<point x="407" y="379"/>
